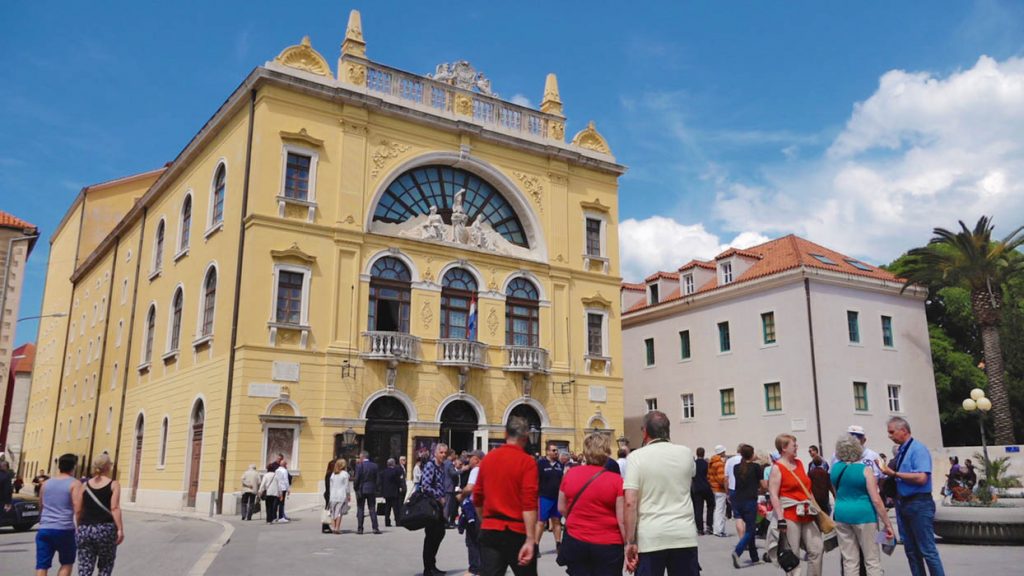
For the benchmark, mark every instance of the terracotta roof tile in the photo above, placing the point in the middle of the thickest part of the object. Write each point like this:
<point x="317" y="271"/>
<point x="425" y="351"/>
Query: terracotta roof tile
<point x="737" y="251"/>
<point x="657" y="275"/>
<point x="697" y="263"/>
<point x="633" y="287"/>
<point x="24" y="364"/>
<point x="778" y="256"/>
<point x="8" y="220"/>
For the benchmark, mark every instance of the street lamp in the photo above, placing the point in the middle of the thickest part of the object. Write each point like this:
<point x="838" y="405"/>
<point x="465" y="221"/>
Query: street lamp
<point x="54" y="315"/>
<point x="534" y="435"/>
<point x="978" y="402"/>
<point x="348" y="436"/>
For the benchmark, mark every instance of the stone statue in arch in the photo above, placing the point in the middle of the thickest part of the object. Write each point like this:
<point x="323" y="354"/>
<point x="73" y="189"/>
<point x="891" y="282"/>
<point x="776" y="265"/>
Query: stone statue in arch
<point x="459" y="232"/>
<point x="433" y="228"/>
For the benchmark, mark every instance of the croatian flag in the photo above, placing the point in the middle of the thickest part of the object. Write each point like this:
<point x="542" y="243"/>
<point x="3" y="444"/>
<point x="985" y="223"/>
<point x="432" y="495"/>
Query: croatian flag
<point x="471" y="329"/>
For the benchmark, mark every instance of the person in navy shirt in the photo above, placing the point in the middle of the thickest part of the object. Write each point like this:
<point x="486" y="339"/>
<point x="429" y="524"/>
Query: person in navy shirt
<point x="549" y="471"/>
<point x="915" y="506"/>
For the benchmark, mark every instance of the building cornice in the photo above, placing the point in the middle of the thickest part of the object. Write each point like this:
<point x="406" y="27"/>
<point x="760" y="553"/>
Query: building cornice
<point x="685" y="304"/>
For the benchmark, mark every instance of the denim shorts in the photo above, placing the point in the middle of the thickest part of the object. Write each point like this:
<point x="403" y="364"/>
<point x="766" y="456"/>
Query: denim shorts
<point x="50" y="542"/>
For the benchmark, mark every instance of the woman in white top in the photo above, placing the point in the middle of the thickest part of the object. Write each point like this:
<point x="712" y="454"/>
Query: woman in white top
<point x="270" y="491"/>
<point x="341" y="496"/>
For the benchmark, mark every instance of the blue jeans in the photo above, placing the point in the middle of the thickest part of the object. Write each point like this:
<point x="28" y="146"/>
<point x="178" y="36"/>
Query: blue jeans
<point x="746" y="510"/>
<point x="917" y="519"/>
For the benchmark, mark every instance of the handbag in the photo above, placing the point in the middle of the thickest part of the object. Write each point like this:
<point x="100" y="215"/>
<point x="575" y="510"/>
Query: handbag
<point x="788" y="560"/>
<point x="560" y="558"/>
<point x="824" y="521"/>
<point x="420" y="511"/>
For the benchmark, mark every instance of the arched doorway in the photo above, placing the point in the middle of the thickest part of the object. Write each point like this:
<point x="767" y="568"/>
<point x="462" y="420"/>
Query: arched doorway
<point x="140" y="426"/>
<point x="533" y="420"/>
<point x="387" y="430"/>
<point x="198" y="422"/>
<point x="458" y="423"/>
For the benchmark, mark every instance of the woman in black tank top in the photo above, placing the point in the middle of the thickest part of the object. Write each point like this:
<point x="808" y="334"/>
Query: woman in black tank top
<point x="100" y="529"/>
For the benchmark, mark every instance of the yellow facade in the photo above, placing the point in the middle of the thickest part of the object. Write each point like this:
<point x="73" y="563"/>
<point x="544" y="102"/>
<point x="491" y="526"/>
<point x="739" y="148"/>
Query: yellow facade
<point x="237" y="390"/>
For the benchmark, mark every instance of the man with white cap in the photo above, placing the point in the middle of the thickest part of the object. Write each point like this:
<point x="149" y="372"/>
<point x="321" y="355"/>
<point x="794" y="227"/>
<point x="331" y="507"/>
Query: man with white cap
<point x="870" y="457"/>
<point x="716" y="477"/>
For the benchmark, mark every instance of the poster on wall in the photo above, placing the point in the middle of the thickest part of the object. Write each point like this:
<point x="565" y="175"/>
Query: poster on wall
<point x="279" y="441"/>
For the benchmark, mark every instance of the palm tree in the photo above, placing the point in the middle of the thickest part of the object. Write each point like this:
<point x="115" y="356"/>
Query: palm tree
<point x="972" y="260"/>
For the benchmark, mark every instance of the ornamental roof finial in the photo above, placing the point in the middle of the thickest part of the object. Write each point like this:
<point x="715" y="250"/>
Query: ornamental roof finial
<point x="552" y="102"/>
<point x="354" y="45"/>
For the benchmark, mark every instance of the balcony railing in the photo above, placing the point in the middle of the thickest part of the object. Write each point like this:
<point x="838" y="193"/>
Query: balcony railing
<point x="456" y="352"/>
<point x="448" y="99"/>
<point x="526" y="359"/>
<point x="391" y="346"/>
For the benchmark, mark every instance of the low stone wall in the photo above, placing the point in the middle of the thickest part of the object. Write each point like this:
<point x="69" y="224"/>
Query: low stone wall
<point x="978" y="525"/>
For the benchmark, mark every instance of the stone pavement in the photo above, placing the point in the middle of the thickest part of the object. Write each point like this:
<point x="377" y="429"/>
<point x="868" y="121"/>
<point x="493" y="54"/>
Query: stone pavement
<point x="299" y="548"/>
<point x="163" y="545"/>
<point x="154" y="545"/>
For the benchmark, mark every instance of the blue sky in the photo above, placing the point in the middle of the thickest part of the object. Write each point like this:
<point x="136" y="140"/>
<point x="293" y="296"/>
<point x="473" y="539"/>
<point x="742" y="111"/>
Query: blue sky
<point x="859" y="125"/>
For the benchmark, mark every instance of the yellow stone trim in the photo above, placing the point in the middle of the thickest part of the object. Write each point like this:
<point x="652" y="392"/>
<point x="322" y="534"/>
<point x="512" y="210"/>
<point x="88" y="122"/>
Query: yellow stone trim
<point x="463" y="105"/>
<point x="597" y="299"/>
<point x="304" y="57"/>
<point x="591" y="139"/>
<point x="293" y="252"/>
<point x="596" y="205"/>
<point x="302" y="136"/>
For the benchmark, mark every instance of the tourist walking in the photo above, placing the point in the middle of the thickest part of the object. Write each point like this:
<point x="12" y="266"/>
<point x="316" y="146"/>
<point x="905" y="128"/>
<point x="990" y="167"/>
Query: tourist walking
<point x="56" y="531"/>
<point x="661" y="535"/>
<point x="284" y="483"/>
<point x="788" y="489"/>
<point x="405" y="482"/>
<point x="366" y="482"/>
<point x="623" y="453"/>
<point x="392" y="482"/>
<point x="702" y="496"/>
<point x="744" y="503"/>
<point x="592" y="501"/>
<point x="716" y="478"/>
<point x="340" y="495"/>
<point x="859" y="509"/>
<point x="505" y="494"/>
<point x="451" y="485"/>
<point x="100" y="527"/>
<point x="37" y="481"/>
<point x="821" y="486"/>
<point x="730" y="468"/>
<point x="432" y="483"/>
<point x="915" y="507"/>
<point x="270" y="491"/>
<point x="250" y="486"/>
<point x="549" y="471"/>
<point x="469" y="523"/>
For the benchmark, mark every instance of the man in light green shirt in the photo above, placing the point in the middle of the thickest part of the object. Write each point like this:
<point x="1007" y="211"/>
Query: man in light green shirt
<point x="661" y="533"/>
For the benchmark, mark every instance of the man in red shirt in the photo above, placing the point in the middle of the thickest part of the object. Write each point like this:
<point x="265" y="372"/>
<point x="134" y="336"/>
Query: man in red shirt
<point x="505" y="496"/>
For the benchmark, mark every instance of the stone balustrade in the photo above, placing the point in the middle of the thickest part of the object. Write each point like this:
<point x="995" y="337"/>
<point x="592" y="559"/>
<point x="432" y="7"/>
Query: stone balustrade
<point x="398" y="346"/>
<point x="526" y="359"/>
<point x="458" y="352"/>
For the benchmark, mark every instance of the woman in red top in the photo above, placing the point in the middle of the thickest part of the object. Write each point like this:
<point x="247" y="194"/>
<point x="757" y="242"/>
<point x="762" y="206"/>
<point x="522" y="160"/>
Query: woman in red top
<point x="786" y="487"/>
<point x="592" y="544"/>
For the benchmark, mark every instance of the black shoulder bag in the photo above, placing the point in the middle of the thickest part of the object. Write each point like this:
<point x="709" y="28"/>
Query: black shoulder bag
<point x="560" y="558"/>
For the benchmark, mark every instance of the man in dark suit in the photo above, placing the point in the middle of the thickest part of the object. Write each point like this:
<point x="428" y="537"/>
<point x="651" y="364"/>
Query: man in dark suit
<point x="367" y="480"/>
<point x="702" y="496"/>
<point x="392" y="480"/>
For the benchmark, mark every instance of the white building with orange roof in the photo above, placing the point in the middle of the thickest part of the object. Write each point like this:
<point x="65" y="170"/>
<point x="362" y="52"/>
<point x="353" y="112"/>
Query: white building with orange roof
<point x="787" y="336"/>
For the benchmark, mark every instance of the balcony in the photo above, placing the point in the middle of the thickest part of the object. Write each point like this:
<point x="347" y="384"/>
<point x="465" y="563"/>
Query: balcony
<point x="461" y="353"/>
<point x="391" y="346"/>
<point x="526" y="359"/>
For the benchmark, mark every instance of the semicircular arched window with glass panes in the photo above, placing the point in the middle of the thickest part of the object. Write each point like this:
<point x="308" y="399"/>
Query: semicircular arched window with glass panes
<point x="415" y="191"/>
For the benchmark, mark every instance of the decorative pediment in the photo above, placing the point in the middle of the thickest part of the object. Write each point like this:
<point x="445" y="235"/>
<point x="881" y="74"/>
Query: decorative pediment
<point x="596" y="205"/>
<point x="304" y="57"/>
<point x="597" y="300"/>
<point x="293" y="253"/>
<point x="302" y="136"/>
<point x="591" y="139"/>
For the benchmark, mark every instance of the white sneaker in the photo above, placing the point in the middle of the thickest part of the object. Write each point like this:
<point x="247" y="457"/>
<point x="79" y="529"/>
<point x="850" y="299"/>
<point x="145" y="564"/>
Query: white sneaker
<point x="282" y="520"/>
<point x="273" y="521"/>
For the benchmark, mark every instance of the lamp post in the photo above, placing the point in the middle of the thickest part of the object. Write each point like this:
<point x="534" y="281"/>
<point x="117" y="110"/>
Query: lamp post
<point x="54" y="315"/>
<point x="978" y="402"/>
<point x="533" y="435"/>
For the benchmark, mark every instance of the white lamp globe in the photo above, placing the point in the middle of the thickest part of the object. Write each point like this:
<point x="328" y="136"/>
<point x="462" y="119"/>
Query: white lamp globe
<point x="970" y="405"/>
<point x="984" y="404"/>
<point x="977" y="393"/>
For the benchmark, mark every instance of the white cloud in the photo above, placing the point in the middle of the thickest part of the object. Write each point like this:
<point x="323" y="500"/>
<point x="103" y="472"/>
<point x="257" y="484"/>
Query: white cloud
<point x="521" y="100"/>
<point x="922" y="151"/>
<point x="660" y="243"/>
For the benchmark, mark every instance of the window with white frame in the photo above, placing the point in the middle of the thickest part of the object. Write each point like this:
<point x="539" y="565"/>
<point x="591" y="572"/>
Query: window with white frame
<point x="887" y="337"/>
<point x="158" y="247"/>
<point x="895" y="401"/>
<point x="291" y="295"/>
<point x="150" y="332"/>
<point x="860" y="396"/>
<point x="652" y="404"/>
<point x="185" y="225"/>
<point x="594" y="231"/>
<point x="689" y="408"/>
<point x="688" y="285"/>
<point x="209" y="303"/>
<point x="652" y="293"/>
<point x="174" y="336"/>
<point x="299" y="174"/>
<point x="596" y="336"/>
<point x="649" y="351"/>
<point x="727" y="396"/>
<point x="217" y="196"/>
<point x="726" y="272"/>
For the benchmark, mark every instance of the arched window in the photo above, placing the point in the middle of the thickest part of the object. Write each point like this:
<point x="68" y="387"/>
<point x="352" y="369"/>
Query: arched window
<point x="458" y="302"/>
<point x="390" y="288"/>
<point x="176" y="305"/>
<point x="147" y="346"/>
<point x="158" y="247"/>
<point x="163" y="442"/>
<point x="522" y="323"/>
<point x="209" y="302"/>
<point x="186" y="223"/>
<point x="414" y="192"/>
<point x="217" y="196"/>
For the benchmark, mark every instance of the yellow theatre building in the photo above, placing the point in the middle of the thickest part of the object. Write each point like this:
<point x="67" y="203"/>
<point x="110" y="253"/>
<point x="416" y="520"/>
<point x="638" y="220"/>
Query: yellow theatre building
<point x="347" y="259"/>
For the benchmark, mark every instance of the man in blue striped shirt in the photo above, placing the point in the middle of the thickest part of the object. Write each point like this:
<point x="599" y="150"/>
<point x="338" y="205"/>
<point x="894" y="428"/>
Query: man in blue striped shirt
<point x="432" y="483"/>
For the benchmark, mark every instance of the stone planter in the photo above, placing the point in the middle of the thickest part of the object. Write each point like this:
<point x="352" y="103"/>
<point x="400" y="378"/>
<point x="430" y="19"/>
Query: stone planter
<point x="1002" y="526"/>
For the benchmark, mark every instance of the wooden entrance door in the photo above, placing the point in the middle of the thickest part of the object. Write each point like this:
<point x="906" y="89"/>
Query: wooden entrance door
<point x="198" y="422"/>
<point x="387" y="430"/>
<point x="137" y="459"/>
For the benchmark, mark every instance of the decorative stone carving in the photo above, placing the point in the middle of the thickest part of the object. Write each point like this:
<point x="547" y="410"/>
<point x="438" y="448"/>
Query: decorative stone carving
<point x="591" y="139"/>
<point x="596" y="205"/>
<point x="304" y="57"/>
<point x="302" y="136"/>
<point x="350" y="219"/>
<point x="598" y="300"/>
<point x="533" y="187"/>
<point x="493" y="284"/>
<point x="492" y="322"/>
<point x="354" y="45"/>
<point x="386" y="151"/>
<point x="349" y="127"/>
<point x="463" y="105"/>
<point x="427" y="314"/>
<point x="558" y="178"/>
<point x="355" y="74"/>
<point x="556" y="130"/>
<point x="293" y="252"/>
<point x="461" y="74"/>
<point x="551" y="103"/>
